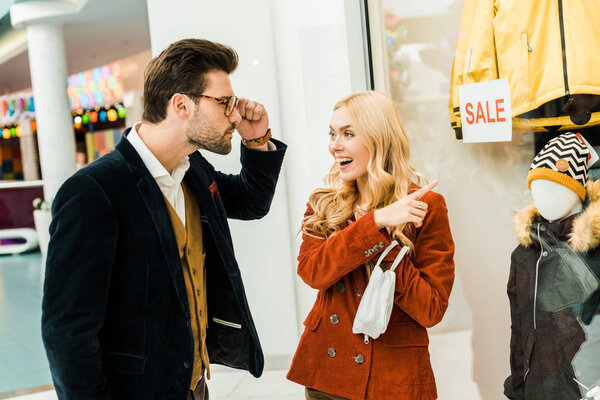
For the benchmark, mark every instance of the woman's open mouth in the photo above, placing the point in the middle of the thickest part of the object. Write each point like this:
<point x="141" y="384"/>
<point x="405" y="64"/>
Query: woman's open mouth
<point x="344" y="161"/>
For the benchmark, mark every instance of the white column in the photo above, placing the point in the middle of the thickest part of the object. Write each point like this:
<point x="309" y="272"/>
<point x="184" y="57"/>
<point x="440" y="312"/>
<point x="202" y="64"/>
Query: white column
<point x="47" y="61"/>
<point x="320" y="59"/>
<point x="293" y="111"/>
<point x="56" y="138"/>
<point x="263" y="248"/>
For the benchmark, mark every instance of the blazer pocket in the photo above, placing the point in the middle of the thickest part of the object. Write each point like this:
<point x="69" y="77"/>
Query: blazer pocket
<point x="313" y="319"/>
<point x="405" y="335"/>
<point x="122" y="363"/>
<point x="227" y="323"/>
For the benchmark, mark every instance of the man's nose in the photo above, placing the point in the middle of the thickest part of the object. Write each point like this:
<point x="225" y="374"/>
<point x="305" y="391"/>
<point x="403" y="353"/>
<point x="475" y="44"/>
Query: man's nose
<point x="235" y="118"/>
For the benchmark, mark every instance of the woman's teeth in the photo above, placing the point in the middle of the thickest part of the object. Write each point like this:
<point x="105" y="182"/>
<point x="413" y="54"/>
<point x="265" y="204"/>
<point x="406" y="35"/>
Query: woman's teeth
<point x="344" y="161"/>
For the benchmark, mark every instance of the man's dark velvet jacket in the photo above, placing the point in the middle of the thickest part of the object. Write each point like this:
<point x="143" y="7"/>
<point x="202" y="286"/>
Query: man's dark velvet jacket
<point x="115" y="314"/>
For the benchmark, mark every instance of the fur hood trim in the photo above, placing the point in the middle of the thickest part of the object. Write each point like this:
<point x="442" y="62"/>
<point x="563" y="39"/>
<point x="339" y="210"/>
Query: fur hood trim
<point x="585" y="232"/>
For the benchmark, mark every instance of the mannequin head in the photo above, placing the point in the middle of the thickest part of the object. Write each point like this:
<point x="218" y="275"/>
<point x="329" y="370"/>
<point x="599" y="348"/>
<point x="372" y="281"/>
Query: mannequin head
<point x="558" y="175"/>
<point x="554" y="201"/>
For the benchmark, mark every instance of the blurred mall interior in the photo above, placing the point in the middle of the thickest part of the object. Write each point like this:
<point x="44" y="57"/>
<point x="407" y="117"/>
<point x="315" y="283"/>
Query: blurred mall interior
<point x="71" y="80"/>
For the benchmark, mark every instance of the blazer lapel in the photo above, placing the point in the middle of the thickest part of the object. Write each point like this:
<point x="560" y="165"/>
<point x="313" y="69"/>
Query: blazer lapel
<point x="212" y="209"/>
<point x="154" y="201"/>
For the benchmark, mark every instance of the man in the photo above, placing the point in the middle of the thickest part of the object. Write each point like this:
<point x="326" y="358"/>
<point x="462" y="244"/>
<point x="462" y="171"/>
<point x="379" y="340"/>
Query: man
<point x="142" y="287"/>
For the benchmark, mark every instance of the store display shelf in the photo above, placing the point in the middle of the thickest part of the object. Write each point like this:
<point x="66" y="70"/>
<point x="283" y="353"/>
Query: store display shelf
<point x="20" y="184"/>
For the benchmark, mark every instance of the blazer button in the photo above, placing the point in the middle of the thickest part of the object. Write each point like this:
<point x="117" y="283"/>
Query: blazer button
<point x="187" y="323"/>
<point x="340" y="287"/>
<point x="186" y="364"/>
<point x="543" y="228"/>
<point x="331" y="352"/>
<point x="334" y="319"/>
<point x="545" y="254"/>
<point x="359" y="359"/>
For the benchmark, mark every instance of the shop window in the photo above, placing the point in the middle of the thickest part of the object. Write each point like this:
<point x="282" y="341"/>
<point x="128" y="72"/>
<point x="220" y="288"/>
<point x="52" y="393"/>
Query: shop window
<point x="484" y="185"/>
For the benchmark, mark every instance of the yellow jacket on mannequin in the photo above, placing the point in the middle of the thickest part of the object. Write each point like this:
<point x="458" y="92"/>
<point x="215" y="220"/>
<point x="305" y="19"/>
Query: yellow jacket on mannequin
<point x="548" y="49"/>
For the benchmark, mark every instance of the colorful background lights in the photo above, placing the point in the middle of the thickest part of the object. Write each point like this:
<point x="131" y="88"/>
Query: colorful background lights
<point x="95" y="87"/>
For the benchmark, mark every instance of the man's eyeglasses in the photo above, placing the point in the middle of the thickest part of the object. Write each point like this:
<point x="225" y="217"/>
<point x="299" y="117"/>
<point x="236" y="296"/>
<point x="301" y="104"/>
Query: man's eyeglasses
<point x="230" y="102"/>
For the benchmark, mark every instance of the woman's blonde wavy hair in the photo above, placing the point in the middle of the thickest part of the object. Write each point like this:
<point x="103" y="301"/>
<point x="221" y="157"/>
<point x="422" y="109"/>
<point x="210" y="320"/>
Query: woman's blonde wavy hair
<point x="376" y="122"/>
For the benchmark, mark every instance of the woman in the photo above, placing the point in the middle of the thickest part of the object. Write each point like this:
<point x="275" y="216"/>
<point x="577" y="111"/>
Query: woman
<point x="371" y="198"/>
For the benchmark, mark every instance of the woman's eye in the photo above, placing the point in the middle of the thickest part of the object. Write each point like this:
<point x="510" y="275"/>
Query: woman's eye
<point x="348" y="133"/>
<point x="331" y="134"/>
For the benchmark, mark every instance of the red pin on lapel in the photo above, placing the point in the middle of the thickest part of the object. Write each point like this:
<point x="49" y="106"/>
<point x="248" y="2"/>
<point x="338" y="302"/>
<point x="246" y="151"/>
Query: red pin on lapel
<point x="214" y="190"/>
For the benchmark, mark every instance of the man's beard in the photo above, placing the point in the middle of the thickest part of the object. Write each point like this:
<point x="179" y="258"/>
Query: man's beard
<point x="203" y="136"/>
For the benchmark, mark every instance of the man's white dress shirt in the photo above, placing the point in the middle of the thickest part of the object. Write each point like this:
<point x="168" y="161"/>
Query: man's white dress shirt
<point x="169" y="184"/>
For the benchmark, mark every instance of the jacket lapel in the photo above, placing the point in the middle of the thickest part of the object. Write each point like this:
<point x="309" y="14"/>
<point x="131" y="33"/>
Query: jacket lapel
<point x="212" y="208"/>
<point x="154" y="201"/>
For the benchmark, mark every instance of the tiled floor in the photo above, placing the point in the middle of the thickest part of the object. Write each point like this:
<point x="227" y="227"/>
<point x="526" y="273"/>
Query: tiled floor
<point x="23" y="364"/>
<point x="22" y="358"/>
<point x="232" y="385"/>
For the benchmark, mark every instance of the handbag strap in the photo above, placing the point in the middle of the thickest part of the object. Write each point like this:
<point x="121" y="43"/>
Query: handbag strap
<point x="398" y="258"/>
<point x="385" y="252"/>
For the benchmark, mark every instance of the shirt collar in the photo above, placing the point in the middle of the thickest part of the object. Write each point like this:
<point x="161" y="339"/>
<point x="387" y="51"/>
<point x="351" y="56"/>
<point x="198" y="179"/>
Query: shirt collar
<point x="157" y="170"/>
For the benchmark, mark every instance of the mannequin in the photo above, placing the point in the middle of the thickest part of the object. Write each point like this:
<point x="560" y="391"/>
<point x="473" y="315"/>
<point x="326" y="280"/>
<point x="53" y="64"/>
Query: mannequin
<point x="554" y="201"/>
<point x="544" y="343"/>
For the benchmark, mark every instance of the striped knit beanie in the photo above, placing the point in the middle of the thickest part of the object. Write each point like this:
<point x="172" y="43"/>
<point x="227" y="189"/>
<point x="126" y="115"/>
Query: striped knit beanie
<point x="563" y="160"/>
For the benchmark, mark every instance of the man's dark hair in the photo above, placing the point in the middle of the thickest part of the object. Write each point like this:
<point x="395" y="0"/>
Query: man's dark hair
<point x="180" y="68"/>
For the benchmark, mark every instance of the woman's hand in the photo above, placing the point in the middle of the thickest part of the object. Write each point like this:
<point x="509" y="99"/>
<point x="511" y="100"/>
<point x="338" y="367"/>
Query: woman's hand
<point x="407" y="209"/>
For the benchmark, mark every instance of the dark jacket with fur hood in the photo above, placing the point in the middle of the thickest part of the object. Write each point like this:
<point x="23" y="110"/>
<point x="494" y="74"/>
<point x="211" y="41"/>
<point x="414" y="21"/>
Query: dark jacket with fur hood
<point x="541" y="358"/>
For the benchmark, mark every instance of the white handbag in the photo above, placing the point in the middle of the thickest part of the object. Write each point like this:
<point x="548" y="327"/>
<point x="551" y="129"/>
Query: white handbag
<point x="375" y="308"/>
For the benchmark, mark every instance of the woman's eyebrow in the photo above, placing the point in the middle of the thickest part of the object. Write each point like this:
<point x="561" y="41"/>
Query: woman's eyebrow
<point x="341" y="127"/>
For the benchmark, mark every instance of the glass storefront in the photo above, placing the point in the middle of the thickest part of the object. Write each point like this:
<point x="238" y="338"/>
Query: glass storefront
<point x="484" y="185"/>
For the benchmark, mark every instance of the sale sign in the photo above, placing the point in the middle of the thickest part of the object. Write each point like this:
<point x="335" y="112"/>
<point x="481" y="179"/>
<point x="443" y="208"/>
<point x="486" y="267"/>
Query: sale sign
<point x="485" y="111"/>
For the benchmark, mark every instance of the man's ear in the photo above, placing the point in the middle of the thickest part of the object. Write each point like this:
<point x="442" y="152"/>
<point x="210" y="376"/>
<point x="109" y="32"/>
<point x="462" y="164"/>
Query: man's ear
<point x="181" y="105"/>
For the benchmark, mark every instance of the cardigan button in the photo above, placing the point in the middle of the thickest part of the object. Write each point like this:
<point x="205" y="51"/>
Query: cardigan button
<point x="186" y="364"/>
<point x="357" y="292"/>
<point x="381" y="244"/>
<point x="366" y="254"/>
<point x="331" y="352"/>
<point x="334" y="319"/>
<point x="359" y="359"/>
<point x="543" y="228"/>
<point x="340" y="287"/>
<point x="545" y="254"/>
